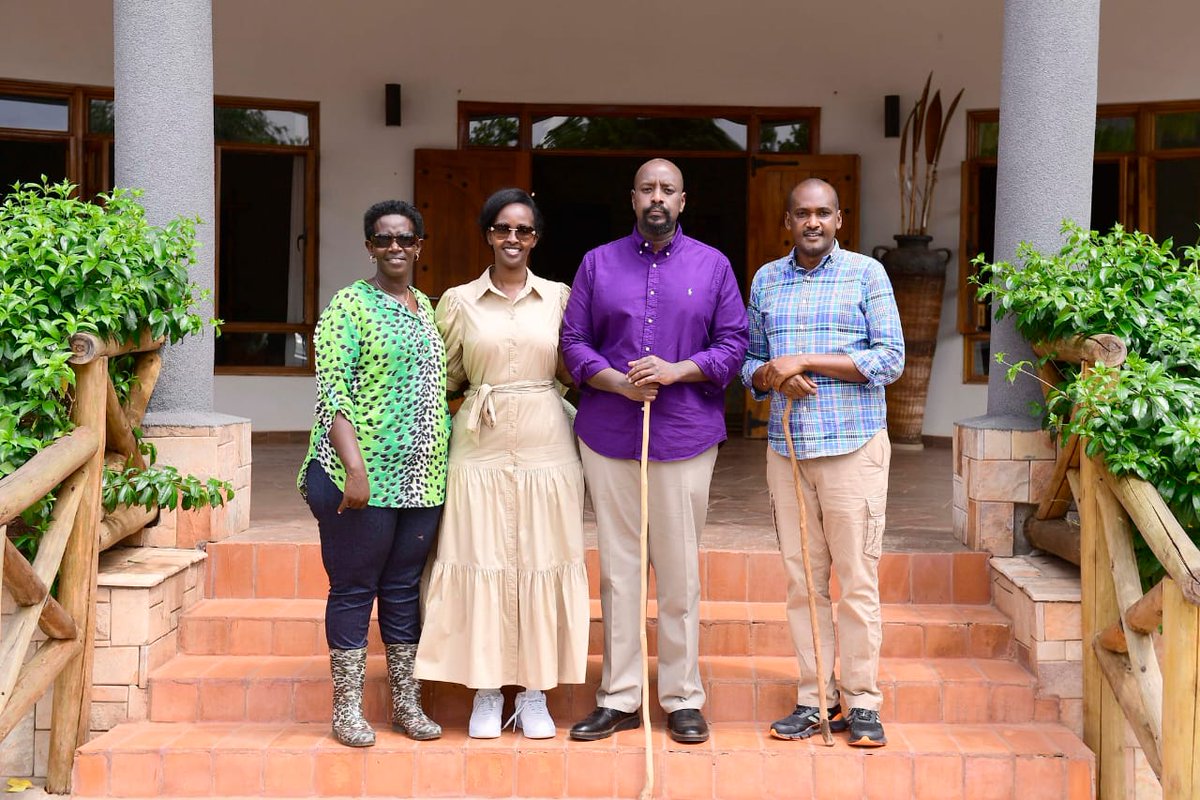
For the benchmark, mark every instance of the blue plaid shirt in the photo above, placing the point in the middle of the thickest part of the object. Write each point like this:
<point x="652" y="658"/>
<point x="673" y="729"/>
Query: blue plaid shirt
<point x="843" y="305"/>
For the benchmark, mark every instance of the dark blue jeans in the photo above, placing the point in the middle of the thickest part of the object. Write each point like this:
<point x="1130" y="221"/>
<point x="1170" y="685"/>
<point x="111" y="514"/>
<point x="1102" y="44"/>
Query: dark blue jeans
<point x="370" y="553"/>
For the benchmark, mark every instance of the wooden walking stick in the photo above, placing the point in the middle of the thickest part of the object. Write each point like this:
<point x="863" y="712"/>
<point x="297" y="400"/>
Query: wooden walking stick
<point x="648" y="787"/>
<point x="822" y="708"/>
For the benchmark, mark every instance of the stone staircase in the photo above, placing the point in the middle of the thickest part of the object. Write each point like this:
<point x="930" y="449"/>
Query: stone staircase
<point x="243" y="709"/>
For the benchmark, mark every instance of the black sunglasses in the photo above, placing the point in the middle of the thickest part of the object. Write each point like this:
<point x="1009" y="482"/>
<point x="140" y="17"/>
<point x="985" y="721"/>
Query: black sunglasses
<point x="384" y="240"/>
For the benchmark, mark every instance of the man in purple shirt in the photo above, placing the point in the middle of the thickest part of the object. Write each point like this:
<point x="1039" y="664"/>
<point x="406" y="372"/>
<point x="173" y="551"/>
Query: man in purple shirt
<point x="653" y="316"/>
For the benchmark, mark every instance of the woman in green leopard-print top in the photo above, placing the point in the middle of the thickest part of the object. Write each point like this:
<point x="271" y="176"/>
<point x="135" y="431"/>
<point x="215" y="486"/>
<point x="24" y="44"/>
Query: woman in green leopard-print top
<point x="375" y="473"/>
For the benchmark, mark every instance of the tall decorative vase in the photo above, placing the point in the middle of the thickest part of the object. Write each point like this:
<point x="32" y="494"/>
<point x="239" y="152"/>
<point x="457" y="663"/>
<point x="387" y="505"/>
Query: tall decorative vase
<point x="918" y="276"/>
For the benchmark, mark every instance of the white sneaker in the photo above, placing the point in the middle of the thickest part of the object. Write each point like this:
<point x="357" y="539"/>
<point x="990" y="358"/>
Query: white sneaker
<point x="531" y="715"/>
<point x="485" y="714"/>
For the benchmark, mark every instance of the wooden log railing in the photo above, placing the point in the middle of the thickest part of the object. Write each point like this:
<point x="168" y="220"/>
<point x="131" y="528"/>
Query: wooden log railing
<point x="120" y="422"/>
<point x="1124" y="682"/>
<point x="69" y="549"/>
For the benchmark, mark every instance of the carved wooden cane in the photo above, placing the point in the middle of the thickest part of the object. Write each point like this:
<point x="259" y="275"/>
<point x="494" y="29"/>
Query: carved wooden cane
<point x="823" y="709"/>
<point x="648" y="787"/>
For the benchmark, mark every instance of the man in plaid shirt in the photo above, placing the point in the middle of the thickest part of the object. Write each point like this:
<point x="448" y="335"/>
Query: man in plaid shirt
<point x="825" y="332"/>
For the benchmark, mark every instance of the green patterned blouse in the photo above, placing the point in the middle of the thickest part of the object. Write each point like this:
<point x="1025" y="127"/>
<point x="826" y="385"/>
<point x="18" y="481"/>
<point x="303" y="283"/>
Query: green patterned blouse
<point x="384" y="368"/>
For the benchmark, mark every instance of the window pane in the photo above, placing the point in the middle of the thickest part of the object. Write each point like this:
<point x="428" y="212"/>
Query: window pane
<point x="1177" y="201"/>
<point x="785" y="137"/>
<point x="1107" y="200"/>
<point x="638" y="133"/>
<point x="1113" y="135"/>
<point x="99" y="168"/>
<point x="262" y="350"/>
<point x="493" y="131"/>
<point x="260" y="126"/>
<point x="33" y="113"/>
<point x="261" y="253"/>
<point x="987" y="141"/>
<point x="1181" y="129"/>
<point x="29" y="161"/>
<point x="980" y="356"/>
<point x="1116" y="134"/>
<point x="100" y="116"/>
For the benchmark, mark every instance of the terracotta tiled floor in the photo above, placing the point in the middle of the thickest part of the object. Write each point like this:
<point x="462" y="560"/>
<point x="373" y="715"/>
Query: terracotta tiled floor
<point x="919" y="499"/>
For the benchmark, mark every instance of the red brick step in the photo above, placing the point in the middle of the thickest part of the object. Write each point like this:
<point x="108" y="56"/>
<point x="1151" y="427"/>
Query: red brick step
<point x="243" y="567"/>
<point x="274" y="626"/>
<point x="960" y="762"/>
<point x="740" y="689"/>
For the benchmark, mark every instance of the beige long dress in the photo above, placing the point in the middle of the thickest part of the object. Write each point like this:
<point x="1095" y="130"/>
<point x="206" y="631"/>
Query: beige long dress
<point x="507" y="601"/>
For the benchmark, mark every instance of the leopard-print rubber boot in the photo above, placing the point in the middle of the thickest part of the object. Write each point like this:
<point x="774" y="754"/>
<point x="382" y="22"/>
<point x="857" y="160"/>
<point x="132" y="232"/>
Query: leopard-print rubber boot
<point x="407" y="715"/>
<point x="349" y="669"/>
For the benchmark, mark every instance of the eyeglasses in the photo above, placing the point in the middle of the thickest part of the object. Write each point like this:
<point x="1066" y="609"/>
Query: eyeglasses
<point x="384" y="240"/>
<point x="524" y="233"/>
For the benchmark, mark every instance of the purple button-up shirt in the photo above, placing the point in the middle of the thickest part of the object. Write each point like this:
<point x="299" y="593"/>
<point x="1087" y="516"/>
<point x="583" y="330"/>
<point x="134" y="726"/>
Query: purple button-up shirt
<point x="679" y="303"/>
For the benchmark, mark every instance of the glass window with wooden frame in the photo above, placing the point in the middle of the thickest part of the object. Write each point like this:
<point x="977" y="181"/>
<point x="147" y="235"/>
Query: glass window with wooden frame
<point x="266" y="226"/>
<point x="666" y="129"/>
<point x="38" y="126"/>
<point x="267" y="235"/>
<point x="1146" y="176"/>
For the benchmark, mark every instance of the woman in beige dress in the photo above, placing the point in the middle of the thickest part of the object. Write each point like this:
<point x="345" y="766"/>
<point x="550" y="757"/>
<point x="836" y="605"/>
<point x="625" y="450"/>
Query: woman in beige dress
<point x="508" y="598"/>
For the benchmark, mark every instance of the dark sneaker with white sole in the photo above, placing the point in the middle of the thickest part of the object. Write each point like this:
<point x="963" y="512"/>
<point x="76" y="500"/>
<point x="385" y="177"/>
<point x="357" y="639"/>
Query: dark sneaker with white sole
<point x="865" y="728"/>
<point x="805" y="722"/>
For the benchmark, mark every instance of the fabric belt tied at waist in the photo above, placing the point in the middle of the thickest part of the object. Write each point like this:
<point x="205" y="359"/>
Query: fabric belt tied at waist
<point x="481" y="407"/>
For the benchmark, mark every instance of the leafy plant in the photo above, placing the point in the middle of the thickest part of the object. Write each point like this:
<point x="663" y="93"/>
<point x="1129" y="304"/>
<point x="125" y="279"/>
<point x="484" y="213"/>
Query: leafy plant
<point x="919" y="179"/>
<point x="1145" y="416"/>
<point x="69" y="266"/>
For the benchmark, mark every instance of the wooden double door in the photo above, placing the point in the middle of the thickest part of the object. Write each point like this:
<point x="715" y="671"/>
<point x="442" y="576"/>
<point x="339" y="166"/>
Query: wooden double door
<point x="736" y="202"/>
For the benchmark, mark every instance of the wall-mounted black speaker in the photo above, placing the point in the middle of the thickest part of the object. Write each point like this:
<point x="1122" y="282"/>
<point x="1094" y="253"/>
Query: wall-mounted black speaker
<point x="891" y="115"/>
<point x="391" y="103"/>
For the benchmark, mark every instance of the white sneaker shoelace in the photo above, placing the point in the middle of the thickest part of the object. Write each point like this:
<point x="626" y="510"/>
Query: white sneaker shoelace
<point x="485" y="714"/>
<point x="532" y="716"/>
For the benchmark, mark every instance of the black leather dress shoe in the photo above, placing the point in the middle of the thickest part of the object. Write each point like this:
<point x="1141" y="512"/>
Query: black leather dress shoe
<point x="604" y="722"/>
<point x="687" y="726"/>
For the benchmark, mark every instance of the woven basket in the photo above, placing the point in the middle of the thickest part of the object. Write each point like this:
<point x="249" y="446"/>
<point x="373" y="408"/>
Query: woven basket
<point x="918" y="276"/>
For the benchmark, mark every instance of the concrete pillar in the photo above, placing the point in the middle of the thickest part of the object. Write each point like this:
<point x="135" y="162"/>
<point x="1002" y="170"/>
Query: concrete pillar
<point x="163" y="84"/>
<point x="1002" y="463"/>
<point x="1047" y="140"/>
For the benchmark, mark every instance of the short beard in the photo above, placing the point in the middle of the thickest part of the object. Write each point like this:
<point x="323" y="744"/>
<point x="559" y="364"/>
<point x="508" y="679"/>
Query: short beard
<point x="657" y="228"/>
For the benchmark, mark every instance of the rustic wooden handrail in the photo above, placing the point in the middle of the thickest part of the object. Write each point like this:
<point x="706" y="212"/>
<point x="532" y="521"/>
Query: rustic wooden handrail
<point x="76" y="534"/>
<point x="28" y="589"/>
<point x="71" y="709"/>
<point x="45" y="470"/>
<point x="117" y="430"/>
<point x="1124" y="681"/>
<point x="20" y="683"/>
<point x="1160" y="530"/>
<point x="145" y="376"/>
<point x="123" y="522"/>
<point x="1144" y="616"/>
<point x="87" y="347"/>
<point x="1099" y="348"/>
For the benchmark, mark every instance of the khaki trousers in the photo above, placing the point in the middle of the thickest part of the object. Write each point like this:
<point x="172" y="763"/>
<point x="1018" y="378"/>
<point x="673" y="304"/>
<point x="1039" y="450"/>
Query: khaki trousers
<point x="845" y="497"/>
<point x="678" y="507"/>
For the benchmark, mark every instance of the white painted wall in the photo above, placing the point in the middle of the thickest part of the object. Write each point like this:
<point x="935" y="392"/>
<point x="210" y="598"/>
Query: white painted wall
<point x="842" y="57"/>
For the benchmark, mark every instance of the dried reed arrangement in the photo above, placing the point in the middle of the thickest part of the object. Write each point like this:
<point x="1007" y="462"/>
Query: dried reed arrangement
<point x="917" y="180"/>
